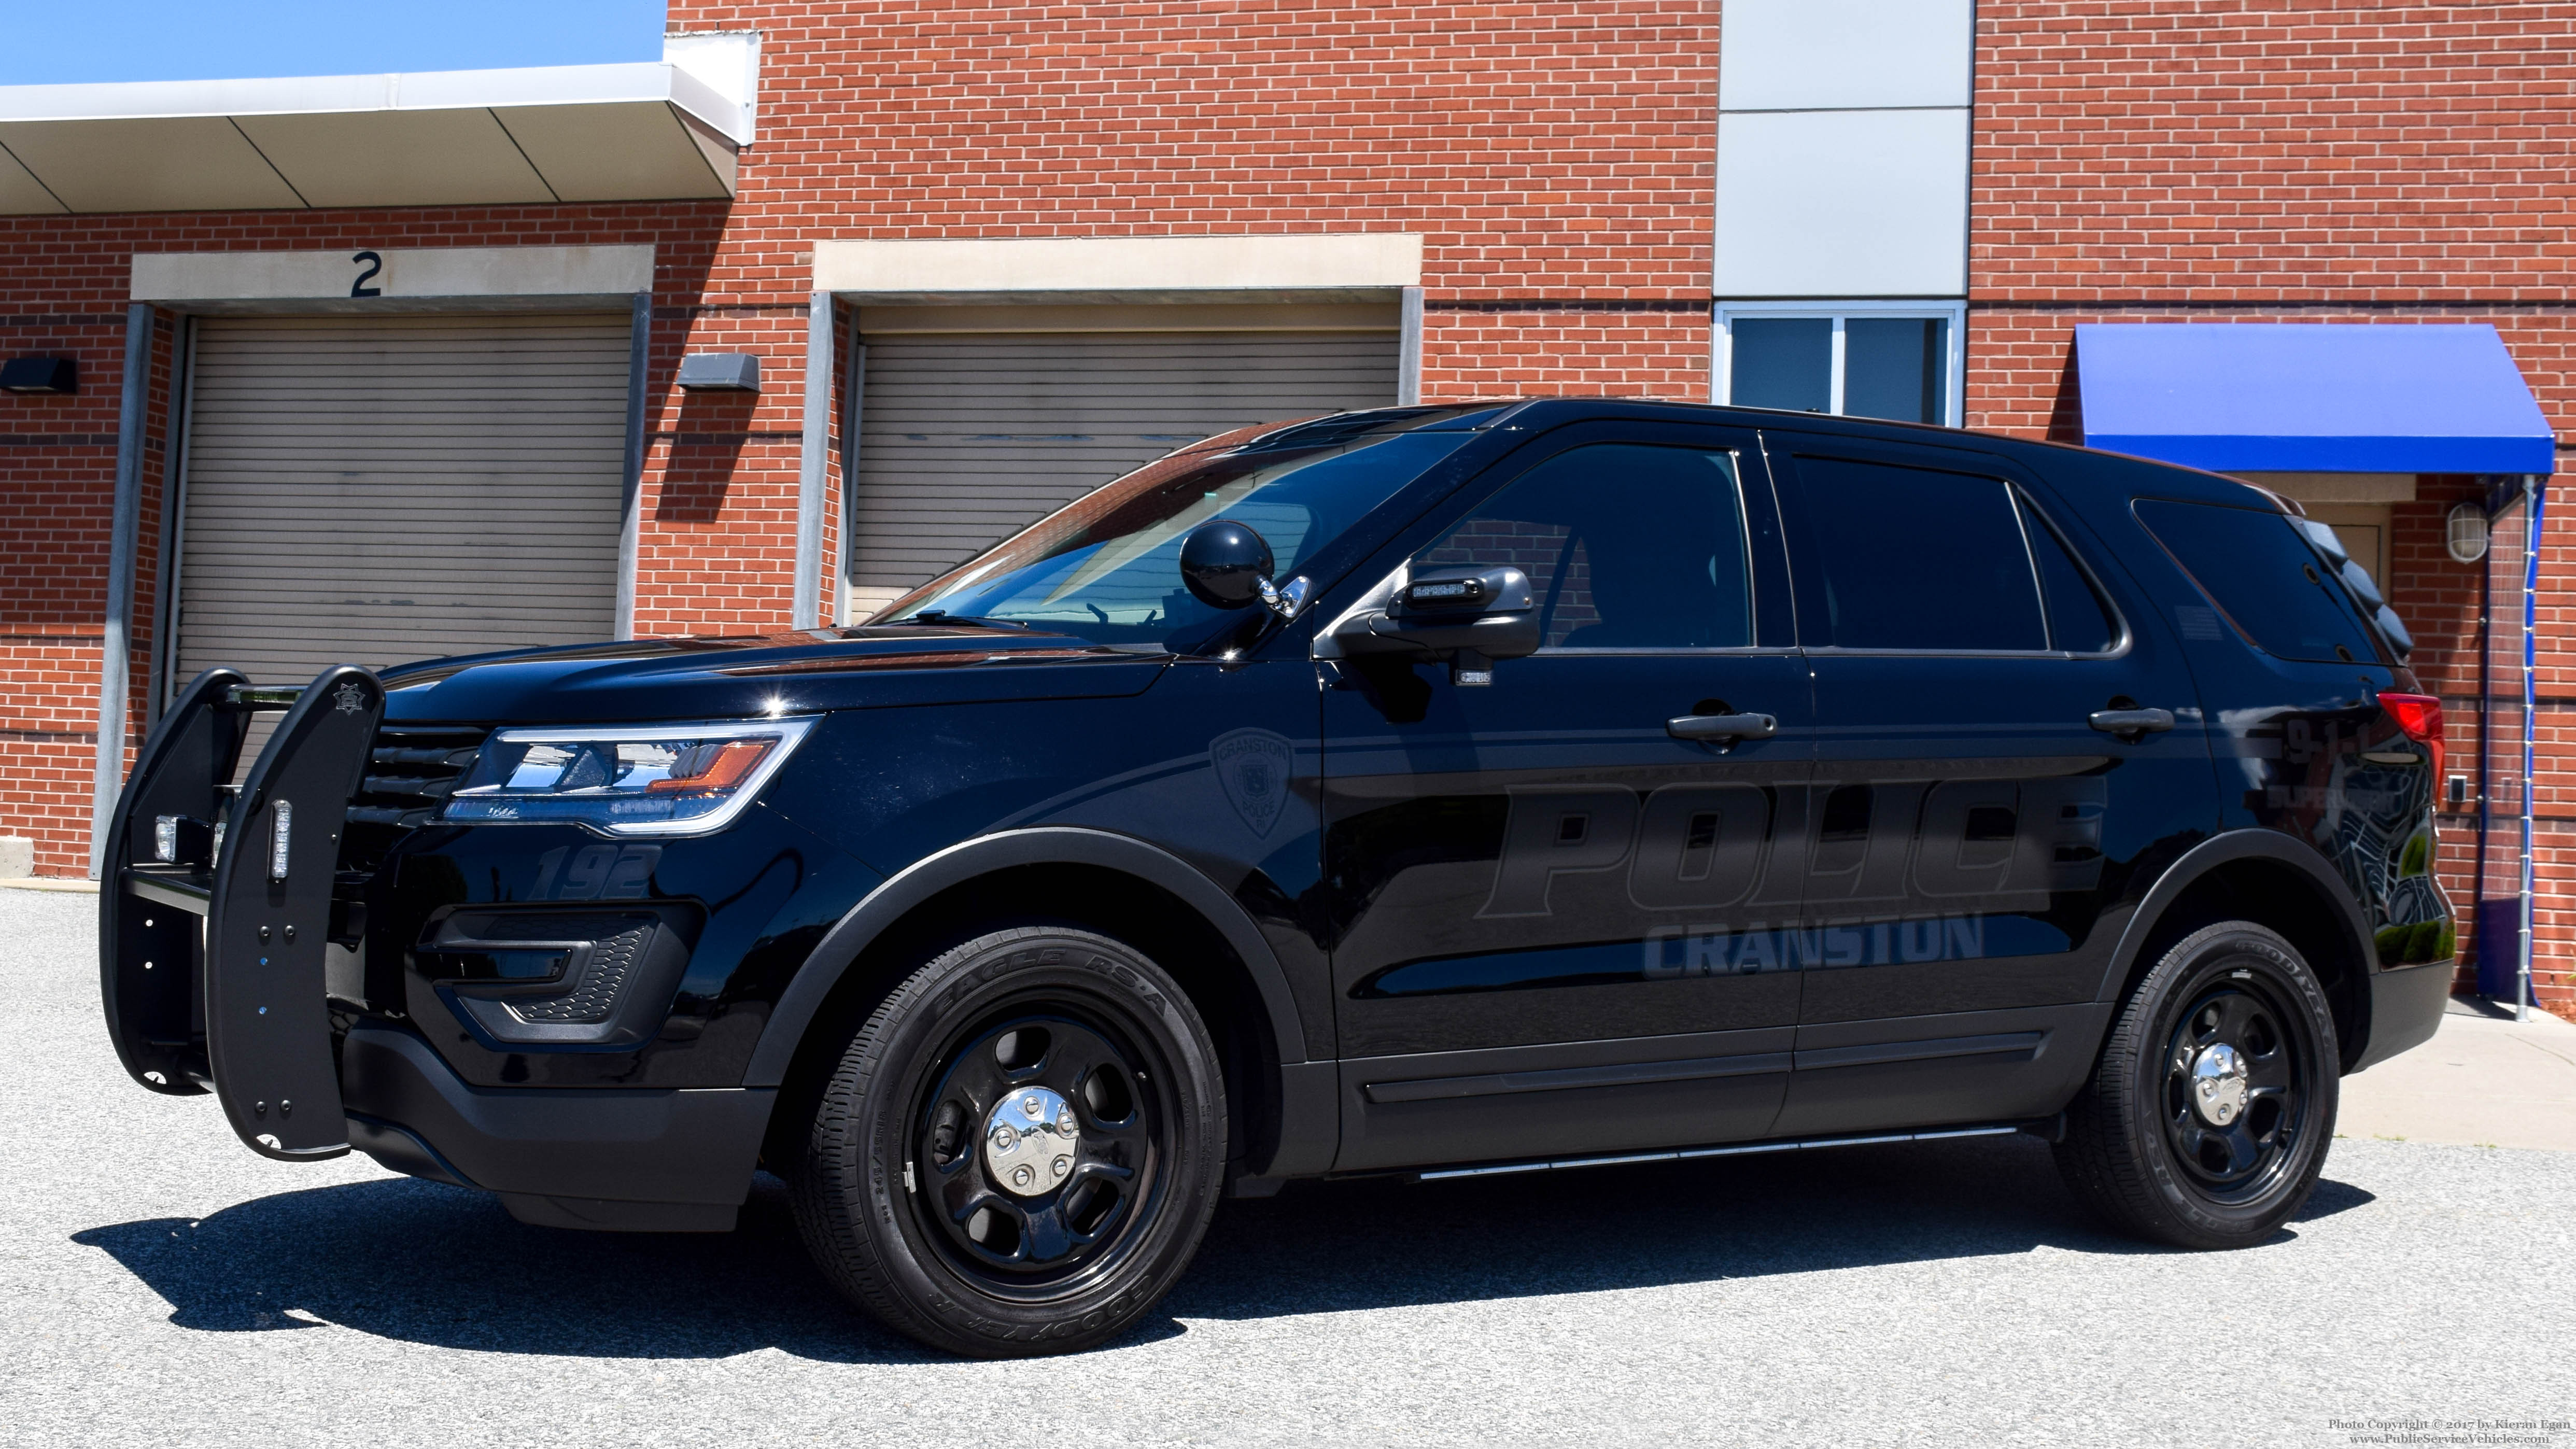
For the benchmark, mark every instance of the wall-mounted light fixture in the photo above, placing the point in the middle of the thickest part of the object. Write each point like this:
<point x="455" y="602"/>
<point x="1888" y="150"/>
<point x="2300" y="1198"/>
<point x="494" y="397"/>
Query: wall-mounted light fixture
<point x="2465" y="533"/>
<point x="720" y="372"/>
<point x="37" y="375"/>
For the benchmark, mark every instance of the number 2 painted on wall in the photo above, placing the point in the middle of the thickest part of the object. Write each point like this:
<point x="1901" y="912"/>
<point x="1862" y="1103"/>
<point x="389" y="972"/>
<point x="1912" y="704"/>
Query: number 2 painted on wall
<point x="375" y="265"/>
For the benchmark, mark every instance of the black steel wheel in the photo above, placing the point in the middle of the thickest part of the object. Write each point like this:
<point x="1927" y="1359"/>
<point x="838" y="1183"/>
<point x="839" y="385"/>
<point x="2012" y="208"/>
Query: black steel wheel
<point x="1020" y="1149"/>
<point x="2208" y="1115"/>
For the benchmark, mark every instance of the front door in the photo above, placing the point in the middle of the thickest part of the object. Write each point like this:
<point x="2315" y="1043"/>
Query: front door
<point x="1980" y="816"/>
<point x="1553" y="917"/>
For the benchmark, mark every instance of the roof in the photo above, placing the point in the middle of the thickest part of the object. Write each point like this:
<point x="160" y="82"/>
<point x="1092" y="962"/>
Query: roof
<point x="630" y="132"/>
<point x="2309" y="397"/>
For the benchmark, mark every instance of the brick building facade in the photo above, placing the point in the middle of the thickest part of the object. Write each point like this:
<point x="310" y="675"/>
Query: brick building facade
<point x="1596" y="197"/>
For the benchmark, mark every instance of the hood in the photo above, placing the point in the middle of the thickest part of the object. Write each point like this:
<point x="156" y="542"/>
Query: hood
<point x="732" y="677"/>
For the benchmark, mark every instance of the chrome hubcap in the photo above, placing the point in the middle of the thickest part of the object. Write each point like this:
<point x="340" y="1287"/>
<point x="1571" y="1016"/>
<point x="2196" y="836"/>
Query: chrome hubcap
<point x="2219" y="1086"/>
<point x="1030" y="1141"/>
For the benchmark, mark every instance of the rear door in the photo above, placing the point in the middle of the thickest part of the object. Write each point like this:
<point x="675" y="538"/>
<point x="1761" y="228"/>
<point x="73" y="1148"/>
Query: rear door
<point x="1551" y="916"/>
<point x="1978" y="830"/>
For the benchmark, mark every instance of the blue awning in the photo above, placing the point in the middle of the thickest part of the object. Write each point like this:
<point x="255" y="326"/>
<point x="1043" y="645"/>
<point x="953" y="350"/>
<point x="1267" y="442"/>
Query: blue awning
<point x="2311" y="397"/>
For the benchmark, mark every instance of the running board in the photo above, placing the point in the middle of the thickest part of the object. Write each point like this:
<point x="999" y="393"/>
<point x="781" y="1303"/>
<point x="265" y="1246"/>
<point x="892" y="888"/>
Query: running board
<point x="1740" y="1149"/>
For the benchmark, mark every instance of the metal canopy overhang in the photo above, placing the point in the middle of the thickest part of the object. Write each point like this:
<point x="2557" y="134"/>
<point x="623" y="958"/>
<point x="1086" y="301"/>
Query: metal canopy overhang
<point x="2306" y="397"/>
<point x="585" y="133"/>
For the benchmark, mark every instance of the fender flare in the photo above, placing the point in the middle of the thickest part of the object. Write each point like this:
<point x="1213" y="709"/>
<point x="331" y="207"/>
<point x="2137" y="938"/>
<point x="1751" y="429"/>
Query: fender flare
<point x="2270" y="846"/>
<point x="1040" y="845"/>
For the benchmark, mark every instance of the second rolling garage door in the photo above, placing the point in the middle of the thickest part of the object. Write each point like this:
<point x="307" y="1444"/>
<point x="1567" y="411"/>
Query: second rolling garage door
<point x="966" y="438"/>
<point x="372" y="490"/>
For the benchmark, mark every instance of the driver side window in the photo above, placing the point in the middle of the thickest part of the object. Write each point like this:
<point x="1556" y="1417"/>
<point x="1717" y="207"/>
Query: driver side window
<point x="1627" y="546"/>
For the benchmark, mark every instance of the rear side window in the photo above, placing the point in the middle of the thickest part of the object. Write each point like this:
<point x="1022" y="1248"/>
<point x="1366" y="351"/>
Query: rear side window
<point x="1911" y="558"/>
<point x="2263" y="577"/>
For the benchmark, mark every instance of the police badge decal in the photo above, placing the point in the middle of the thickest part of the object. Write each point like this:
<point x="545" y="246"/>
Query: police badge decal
<point x="1254" y="767"/>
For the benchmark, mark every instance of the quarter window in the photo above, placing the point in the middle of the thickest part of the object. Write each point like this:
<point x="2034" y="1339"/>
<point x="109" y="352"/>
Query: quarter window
<point x="2263" y="577"/>
<point x="1628" y="546"/>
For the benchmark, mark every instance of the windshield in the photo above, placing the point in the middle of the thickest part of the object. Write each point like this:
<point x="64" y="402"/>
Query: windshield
<point x="1108" y="568"/>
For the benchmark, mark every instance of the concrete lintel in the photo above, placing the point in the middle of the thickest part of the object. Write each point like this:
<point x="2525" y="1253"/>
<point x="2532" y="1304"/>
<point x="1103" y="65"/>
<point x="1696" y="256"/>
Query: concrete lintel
<point x="1120" y="268"/>
<point x="204" y="281"/>
<point x="2337" y="487"/>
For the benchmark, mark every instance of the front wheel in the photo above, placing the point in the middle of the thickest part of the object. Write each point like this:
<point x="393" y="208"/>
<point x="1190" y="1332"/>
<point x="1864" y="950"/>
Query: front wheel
<point x="2208" y="1116"/>
<point x="1020" y="1149"/>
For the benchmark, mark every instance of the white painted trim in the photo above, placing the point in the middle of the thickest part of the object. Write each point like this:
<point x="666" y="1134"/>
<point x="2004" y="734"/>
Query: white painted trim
<point x="728" y="61"/>
<point x="1156" y="265"/>
<point x="1408" y="367"/>
<point x="424" y="272"/>
<point x="552" y="85"/>
<point x="1954" y="381"/>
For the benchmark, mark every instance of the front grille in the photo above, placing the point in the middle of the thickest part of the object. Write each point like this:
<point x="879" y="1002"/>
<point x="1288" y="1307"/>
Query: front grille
<point x="410" y="773"/>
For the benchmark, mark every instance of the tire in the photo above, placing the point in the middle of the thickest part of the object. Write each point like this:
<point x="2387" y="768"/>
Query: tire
<point x="938" y="1188"/>
<point x="2154" y="1148"/>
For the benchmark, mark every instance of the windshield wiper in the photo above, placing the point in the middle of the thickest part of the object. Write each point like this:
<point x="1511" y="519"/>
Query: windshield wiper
<point x="942" y="616"/>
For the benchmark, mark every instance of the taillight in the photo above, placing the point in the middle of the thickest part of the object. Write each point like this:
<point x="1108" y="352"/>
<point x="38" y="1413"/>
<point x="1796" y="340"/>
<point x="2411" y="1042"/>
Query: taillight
<point x="2420" y="715"/>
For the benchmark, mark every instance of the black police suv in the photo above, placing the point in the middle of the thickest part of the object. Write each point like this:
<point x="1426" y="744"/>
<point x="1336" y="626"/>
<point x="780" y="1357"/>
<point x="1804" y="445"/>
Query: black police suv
<point x="1440" y="791"/>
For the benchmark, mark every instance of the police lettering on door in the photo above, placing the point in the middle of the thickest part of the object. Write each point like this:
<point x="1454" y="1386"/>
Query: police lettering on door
<point x="1817" y="875"/>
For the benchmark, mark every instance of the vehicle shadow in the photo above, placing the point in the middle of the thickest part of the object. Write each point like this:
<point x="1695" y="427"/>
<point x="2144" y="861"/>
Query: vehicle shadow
<point x="442" y="1266"/>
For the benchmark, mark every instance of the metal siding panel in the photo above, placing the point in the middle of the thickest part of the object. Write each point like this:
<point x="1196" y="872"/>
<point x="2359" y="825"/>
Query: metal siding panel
<point x="374" y="490"/>
<point x="967" y="438"/>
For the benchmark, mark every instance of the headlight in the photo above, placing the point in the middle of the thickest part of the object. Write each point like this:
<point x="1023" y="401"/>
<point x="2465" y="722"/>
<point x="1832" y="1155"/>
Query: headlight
<point x="678" y="779"/>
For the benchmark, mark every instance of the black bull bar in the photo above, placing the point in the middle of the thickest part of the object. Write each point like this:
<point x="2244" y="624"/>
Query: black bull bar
<point x="215" y="908"/>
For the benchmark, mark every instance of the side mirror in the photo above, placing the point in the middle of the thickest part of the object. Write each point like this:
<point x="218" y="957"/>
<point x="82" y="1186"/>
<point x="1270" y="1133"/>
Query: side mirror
<point x="1224" y="564"/>
<point x="1467" y="616"/>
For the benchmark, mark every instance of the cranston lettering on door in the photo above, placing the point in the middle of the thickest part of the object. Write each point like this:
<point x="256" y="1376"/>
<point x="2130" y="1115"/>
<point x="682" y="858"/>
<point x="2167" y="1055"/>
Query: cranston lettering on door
<point x="1605" y="883"/>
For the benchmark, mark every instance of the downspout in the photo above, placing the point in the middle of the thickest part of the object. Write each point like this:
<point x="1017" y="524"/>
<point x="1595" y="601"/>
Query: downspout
<point x="2537" y="492"/>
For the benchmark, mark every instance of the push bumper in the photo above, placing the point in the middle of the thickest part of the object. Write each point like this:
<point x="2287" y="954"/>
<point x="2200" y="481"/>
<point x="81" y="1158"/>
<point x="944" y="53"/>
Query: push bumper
<point x="213" y="928"/>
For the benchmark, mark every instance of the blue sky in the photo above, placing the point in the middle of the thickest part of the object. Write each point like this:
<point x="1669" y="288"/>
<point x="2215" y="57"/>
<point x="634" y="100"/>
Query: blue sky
<point x="52" y="41"/>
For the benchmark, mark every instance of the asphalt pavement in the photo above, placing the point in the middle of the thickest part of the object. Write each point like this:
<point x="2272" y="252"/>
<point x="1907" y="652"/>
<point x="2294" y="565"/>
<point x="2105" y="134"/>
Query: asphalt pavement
<point x="159" y="1284"/>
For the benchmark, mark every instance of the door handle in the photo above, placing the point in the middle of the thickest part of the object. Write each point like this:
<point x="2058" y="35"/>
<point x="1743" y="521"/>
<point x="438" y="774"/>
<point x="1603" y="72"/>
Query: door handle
<point x="2132" y="724"/>
<point x="1723" y="727"/>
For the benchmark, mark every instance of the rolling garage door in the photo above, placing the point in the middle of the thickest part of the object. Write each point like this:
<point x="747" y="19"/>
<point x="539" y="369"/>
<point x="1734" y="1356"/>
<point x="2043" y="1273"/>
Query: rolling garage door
<point x="966" y="438"/>
<point x="372" y="490"/>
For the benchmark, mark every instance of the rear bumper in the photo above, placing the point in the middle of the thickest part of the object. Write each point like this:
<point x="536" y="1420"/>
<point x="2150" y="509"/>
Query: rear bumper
<point x="2405" y="1009"/>
<point x="633" y="1159"/>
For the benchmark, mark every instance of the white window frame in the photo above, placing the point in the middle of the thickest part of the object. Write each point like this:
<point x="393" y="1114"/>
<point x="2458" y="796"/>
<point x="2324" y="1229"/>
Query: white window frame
<point x="1954" y="363"/>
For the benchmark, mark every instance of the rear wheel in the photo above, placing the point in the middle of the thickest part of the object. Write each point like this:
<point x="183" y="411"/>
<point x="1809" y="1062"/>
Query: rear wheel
<point x="2208" y="1116"/>
<point x="1020" y="1148"/>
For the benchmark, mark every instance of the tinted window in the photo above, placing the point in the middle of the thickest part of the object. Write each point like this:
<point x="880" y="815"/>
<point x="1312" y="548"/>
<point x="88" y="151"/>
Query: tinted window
<point x="2262" y="576"/>
<point x="1892" y="368"/>
<point x="1782" y="362"/>
<point x="1909" y="558"/>
<point x="2079" y="622"/>
<point x="1627" y="547"/>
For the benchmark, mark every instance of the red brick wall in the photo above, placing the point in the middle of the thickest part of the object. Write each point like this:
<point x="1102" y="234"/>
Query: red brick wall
<point x="2324" y="160"/>
<point x="1548" y="152"/>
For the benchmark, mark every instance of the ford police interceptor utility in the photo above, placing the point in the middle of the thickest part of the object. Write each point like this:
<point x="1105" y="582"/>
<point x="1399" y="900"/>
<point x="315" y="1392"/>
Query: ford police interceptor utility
<point x="1431" y="791"/>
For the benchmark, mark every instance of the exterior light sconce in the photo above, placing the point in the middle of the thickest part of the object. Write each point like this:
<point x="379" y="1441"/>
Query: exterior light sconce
<point x="2465" y="532"/>
<point x="37" y="375"/>
<point x="720" y="372"/>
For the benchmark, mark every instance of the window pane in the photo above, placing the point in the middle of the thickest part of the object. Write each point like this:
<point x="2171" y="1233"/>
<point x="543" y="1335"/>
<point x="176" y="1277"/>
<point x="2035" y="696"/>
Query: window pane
<point x="2262" y="576"/>
<point x="1892" y="368"/>
<point x="2079" y="622"/>
<point x="1627" y="546"/>
<point x="1781" y="362"/>
<point x="1908" y="558"/>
